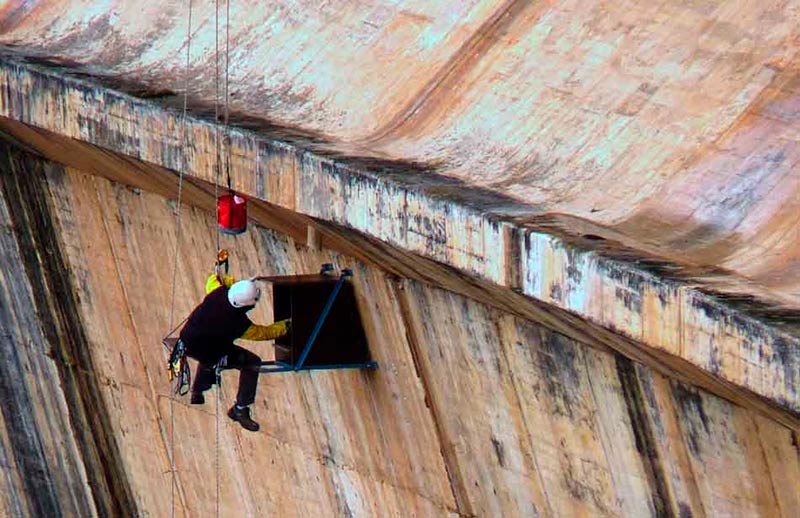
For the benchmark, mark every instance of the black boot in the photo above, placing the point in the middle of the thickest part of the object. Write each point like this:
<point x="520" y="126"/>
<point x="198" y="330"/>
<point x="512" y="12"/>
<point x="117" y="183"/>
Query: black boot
<point x="242" y="415"/>
<point x="197" y="398"/>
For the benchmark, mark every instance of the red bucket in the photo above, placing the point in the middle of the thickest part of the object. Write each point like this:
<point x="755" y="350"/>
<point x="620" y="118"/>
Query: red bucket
<point x="232" y="214"/>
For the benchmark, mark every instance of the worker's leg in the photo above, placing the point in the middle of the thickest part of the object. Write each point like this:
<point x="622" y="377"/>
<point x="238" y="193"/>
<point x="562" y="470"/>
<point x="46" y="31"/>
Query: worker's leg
<point x="204" y="378"/>
<point x="248" y="364"/>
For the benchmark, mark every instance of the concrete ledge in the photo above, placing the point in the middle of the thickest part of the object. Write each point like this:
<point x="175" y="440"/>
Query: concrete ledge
<point x="672" y="323"/>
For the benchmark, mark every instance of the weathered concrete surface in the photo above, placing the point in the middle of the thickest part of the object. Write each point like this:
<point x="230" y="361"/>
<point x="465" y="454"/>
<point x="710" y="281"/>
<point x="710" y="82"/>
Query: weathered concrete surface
<point x="671" y="125"/>
<point x="625" y="174"/>
<point x="58" y="454"/>
<point x="626" y="300"/>
<point x="472" y="411"/>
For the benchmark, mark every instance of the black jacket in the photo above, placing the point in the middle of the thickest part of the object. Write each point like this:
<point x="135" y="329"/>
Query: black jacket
<point x="213" y="326"/>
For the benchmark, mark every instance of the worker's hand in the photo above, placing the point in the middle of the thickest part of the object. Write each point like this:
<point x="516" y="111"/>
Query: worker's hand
<point x="287" y="325"/>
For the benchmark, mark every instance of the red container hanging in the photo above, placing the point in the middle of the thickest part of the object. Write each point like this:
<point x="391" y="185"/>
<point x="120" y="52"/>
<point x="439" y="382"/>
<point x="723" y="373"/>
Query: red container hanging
<point x="232" y="214"/>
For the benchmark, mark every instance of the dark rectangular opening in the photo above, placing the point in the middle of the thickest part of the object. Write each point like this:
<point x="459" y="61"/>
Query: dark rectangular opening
<point x="341" y="339"/>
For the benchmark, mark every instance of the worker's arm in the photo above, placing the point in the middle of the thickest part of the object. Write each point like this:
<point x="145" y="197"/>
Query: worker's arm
<point x="255" y="331"/>
<point x="213" y="283"/>
<point x="270" y="332"/>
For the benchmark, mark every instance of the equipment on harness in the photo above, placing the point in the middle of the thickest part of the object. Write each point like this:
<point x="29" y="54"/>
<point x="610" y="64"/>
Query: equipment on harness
<point x="178" y="366"/>
<point x="221" y="268"/>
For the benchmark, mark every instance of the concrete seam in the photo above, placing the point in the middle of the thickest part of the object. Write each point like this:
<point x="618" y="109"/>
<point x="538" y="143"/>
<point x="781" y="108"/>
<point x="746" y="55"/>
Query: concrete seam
<point x="449" y="457"/>
<point x="520" y="404"/>
<point x="692" y="484"/>
<point x="763" y="451"/>
<point x="644" y="437"/>
<point x="600" y="427"/>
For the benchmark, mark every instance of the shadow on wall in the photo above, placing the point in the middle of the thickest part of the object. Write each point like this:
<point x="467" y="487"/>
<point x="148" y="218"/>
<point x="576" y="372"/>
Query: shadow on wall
<point x="697" y="243"/>
<point x="734" y="202"/>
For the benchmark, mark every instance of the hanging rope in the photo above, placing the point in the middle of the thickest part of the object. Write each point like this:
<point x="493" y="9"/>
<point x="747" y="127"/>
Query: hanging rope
<point x="226" y="143"/>
<point x="177" y="247"/>
<point x="218" y="149"/>
<point x="227" y="96"/>
<point x="178" y="217"/>
<point x="218" y="372"/>
<point x="217" y="170"/>
<point x="217" y="144"/>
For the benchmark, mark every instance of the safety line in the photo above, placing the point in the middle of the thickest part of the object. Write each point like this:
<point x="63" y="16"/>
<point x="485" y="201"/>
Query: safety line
<point x="217" y="145"/>
<point x="227" y="96"/>
<point x="216" y="445"/>
<point x="217" y="171"/>
<point x="177" y="249"/>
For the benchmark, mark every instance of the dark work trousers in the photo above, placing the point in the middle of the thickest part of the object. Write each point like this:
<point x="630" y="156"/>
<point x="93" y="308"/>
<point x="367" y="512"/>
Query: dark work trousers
<point x="240" y="358"/>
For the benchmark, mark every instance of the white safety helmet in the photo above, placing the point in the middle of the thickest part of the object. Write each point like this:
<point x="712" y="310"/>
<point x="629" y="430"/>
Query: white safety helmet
<point x="244" y="293"/>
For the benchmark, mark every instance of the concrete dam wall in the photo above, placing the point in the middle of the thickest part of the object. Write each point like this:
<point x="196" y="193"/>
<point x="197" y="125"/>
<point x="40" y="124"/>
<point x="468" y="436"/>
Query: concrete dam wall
<point x="574" y="229"/>
<point x="472" y="412"/>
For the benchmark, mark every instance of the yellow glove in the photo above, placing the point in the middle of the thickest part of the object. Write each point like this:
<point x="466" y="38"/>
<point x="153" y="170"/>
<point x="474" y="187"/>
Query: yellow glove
<point x="270" y="332"/>
<point x="287" y="326"/>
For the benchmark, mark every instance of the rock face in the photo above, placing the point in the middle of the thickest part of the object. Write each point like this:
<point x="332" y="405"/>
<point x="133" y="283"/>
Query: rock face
<point x="473" y="411"/>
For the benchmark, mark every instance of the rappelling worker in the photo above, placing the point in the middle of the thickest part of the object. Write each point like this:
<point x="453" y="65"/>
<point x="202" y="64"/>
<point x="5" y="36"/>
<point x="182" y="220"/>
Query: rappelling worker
<point x="209" y="334"/>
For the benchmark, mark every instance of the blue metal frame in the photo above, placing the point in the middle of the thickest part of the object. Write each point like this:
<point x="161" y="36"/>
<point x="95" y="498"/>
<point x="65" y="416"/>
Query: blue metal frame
<point x="269" y="367"/>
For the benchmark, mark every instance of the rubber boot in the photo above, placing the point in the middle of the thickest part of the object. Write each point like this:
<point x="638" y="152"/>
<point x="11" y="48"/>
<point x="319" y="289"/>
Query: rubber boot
<point x="197" y="398"/>
<point x="242" y="416"/>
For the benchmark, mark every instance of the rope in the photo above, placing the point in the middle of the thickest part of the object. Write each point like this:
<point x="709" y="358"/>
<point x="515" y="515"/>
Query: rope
<point x="216" y="203"/>
<point x="180" y="173"/>
<point x="291" y="315"/>
<point x="217" y="147"/>
<point x="177" y="249"/>
<point x="227" y="96"/>
<point x="216" y="444"/>
<point x="216" y="199"/>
